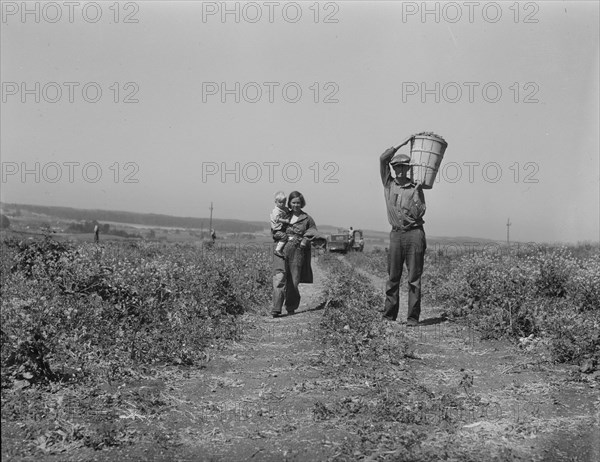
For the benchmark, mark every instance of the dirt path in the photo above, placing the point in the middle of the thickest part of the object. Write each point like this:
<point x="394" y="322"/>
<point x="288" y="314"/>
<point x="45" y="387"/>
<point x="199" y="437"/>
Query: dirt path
<point x="545" y="412"/>
<point x="260" y="398"/>
<point x="255" y="401"/>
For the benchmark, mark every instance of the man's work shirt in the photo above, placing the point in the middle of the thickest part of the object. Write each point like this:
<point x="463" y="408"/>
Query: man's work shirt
<point x="405" y="203"/>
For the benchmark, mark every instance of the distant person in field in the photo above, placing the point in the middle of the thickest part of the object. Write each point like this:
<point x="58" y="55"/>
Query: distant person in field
<point x="96" y="233"/>
<point x="405" y="204"/>
<point x="280" y="218"/>
<point x="294" y="268"/>
<point x="213" y="235"/>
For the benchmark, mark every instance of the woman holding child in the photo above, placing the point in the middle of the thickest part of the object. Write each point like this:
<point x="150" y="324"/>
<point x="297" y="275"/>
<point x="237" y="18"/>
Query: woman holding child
<point x="291" y="263"/>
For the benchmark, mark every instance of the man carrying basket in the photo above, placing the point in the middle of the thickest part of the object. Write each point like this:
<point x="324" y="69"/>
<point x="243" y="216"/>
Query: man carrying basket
<point x="405" y="203"/>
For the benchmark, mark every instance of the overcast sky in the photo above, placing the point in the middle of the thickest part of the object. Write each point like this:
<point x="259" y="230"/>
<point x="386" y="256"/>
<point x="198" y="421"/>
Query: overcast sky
<point x="205" y="101"/>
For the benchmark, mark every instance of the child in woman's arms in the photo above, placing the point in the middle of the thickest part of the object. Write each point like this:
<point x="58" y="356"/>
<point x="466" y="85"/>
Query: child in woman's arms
<point x="280" y="218"/>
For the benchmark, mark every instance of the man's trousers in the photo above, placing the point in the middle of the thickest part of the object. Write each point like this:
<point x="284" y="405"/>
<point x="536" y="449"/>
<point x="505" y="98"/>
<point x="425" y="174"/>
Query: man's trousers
<point x="406" y="247"/>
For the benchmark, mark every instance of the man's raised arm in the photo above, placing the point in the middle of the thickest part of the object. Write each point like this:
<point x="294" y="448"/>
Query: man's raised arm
<point x="385" y="159"/>
<point x="384" y="167"/>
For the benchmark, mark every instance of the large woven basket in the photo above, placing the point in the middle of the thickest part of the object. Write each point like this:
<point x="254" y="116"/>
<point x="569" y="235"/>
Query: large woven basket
<point x="426" y="154"/>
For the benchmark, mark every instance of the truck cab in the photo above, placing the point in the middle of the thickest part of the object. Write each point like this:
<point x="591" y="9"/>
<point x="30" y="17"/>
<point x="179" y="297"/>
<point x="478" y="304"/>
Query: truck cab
<point x="343" y="241"/>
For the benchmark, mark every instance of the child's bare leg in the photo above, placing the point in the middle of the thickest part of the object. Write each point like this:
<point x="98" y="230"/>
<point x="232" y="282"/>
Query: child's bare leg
<point x="279" y="248"/>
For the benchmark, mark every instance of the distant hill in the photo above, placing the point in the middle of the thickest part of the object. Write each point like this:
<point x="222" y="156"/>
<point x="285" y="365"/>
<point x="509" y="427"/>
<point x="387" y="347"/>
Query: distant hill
<point x="220" y="224"/>
<point x="464" y="242"/>
<point x="144" y="219"/>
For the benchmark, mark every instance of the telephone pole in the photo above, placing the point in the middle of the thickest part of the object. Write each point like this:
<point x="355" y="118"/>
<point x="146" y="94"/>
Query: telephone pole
<point x="210" y="225"/>
<point x="508" y="223"/>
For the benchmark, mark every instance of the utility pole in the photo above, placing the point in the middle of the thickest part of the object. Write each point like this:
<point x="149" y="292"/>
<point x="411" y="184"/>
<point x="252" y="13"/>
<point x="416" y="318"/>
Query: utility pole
<point x="508" y="223"/>
<point x="210" y="226"/>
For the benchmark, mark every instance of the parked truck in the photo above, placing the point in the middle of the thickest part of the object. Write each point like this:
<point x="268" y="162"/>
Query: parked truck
<point x="344" y="241"/>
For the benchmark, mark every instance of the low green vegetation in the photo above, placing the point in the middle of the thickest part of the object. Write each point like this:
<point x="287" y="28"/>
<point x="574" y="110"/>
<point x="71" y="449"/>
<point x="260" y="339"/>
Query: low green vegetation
<point x="550" y="295"/>
<point x="92" y="336"/>
<point x="392" y="412"/>
<point x="82" y="322"/>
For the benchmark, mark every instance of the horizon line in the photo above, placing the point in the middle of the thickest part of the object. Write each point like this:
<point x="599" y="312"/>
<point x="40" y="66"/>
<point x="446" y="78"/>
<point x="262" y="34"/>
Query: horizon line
<point x="3" y="204"/>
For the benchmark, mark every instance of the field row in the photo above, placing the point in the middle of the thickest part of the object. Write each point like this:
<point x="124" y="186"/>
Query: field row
<point x="548" y="295"/>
